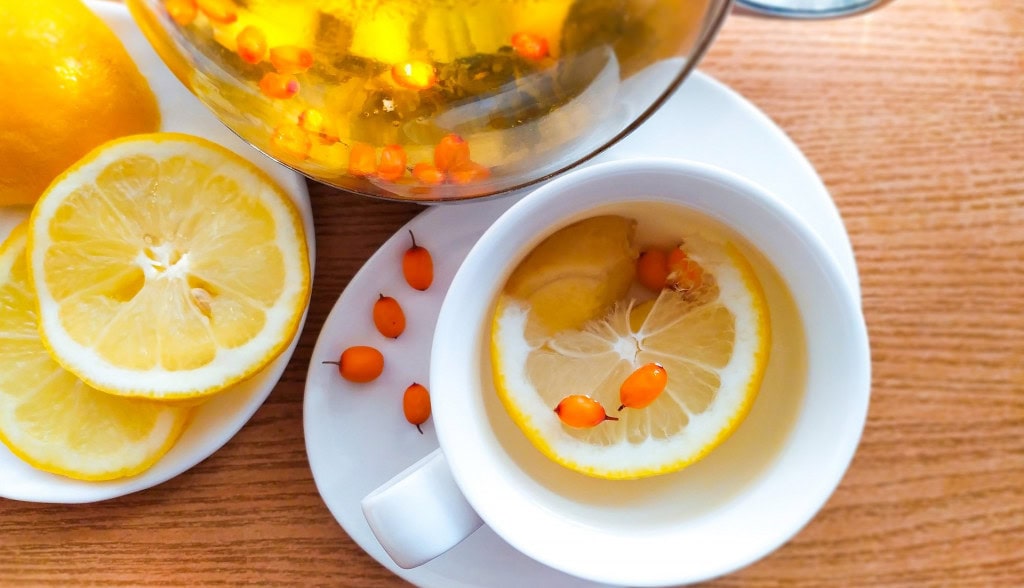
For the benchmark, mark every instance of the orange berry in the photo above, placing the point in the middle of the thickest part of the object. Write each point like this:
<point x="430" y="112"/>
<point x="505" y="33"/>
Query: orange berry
<point x="360" y="364"/>
<point x="693" y="277"/>
<point x="182" y="12"/>
<point x="392" y="163"/>
<point x="530" y="46"/>
<point x="415" y="75"/>
<point x="277" y="86"/>
<point x="251" y="44"/>
<point x="219" y="11"/>
<point x="652" y="269"/>
<point x="676" y="257"/>
<point x="292" y="139"/>
<point x="426" y="173"/>
<point x="452" y="151"/>
<point x="362" y="160"/>
<point x="469" y="172"/>
<point x="418" y="266"/>
<point x="684" y="272"/>
<point x="388" y="317"/>
<point x="581" y="412"/>
<point x="643" y="386"/>
<point x="289" y="59"/>
<point x="416" y="405"/>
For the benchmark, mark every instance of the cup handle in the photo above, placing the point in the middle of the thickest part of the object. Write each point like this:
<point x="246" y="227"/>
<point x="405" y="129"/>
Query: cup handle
<point x="420" y="513"/>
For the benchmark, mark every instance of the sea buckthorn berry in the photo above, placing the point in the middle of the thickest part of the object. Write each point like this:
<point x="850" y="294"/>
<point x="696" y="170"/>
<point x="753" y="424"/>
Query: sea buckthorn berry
<point x="652" y="269"/>
<point x="684" y="273"/>
<point x="643" y="386"/>
<point x="388" y="317"/>
<point x="415" y="75"/>
<point x="251" y="44"/>
<point x="279" y="86"/>
<point x="676" y="256"/>
<point x="292" y="139"/>
<point x="182" y="12"/>
<point x="360" y="364"/>
<point x="290" y="59"/>
<point x="451" y="152"/>
<point x="219" y="11"/>
<point x="581" y="412"/>
<point x="530" y="45"/>
<point x="362" y="160"/>
<point x="426" y="173"/>
<point x="418" y="266"/>
<point x="469" y="172"/>
<point x="392" y="163"/>
<point x="416" y="405"/>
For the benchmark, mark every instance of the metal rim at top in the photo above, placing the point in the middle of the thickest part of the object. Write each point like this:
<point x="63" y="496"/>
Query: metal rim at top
<point x="807" y="9"/>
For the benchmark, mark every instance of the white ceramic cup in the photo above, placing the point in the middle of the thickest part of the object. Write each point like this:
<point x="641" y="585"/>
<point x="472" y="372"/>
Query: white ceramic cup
<point x="745" y="499"/>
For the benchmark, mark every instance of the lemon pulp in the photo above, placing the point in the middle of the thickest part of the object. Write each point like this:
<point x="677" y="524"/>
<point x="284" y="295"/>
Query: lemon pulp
<point x="577" y="273"/>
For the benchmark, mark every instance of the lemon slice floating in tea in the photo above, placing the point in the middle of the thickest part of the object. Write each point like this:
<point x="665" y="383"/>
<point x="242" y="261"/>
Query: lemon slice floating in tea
<point x="53" y="420"/>
<point x="577" y="273"/>
<point x="166" y="267"/>
<point x="713" y="342"/>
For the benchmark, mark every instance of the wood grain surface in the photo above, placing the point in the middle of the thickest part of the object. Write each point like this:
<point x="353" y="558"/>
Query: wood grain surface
<point x="914" y="117"/>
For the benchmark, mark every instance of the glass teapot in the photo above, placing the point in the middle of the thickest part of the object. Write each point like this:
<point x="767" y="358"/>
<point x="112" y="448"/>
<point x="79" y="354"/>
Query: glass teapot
<point x="431" y="100"/>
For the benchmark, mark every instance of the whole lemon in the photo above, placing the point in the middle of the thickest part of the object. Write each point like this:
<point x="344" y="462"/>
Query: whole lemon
<point x="69" y="85"/>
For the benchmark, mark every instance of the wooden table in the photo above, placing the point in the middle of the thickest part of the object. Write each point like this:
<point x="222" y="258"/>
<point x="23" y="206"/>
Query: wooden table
<point x="914" y="117"/>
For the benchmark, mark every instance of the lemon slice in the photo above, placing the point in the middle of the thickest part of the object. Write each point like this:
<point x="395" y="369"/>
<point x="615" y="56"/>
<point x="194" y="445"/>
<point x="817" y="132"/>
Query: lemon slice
<point x="712" y="342"/>
<point x="577" y="273"/>
<point x="166" y="267"/>
<point x="51" y="419"/>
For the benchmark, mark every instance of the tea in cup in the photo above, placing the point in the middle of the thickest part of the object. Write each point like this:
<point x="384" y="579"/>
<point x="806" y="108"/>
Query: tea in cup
<point x="605" y="501"/>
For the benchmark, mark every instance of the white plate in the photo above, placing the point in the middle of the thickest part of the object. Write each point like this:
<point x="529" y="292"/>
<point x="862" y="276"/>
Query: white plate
<point x="356" y="436"/>
<point x="216" y="421"/>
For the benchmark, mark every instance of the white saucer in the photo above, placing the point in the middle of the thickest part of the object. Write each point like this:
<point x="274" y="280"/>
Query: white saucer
<point x="356" y="436"/>
<point x="217" y="421"/>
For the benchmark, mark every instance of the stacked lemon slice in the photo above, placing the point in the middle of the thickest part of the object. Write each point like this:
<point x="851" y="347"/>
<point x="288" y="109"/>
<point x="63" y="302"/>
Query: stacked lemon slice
<point x="158" y="268"/>
<point x="53" y="420"/>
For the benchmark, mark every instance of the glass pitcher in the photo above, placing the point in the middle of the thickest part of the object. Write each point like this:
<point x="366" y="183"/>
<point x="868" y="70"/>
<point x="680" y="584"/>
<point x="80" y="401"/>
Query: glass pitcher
<point x="432" y="100"/>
